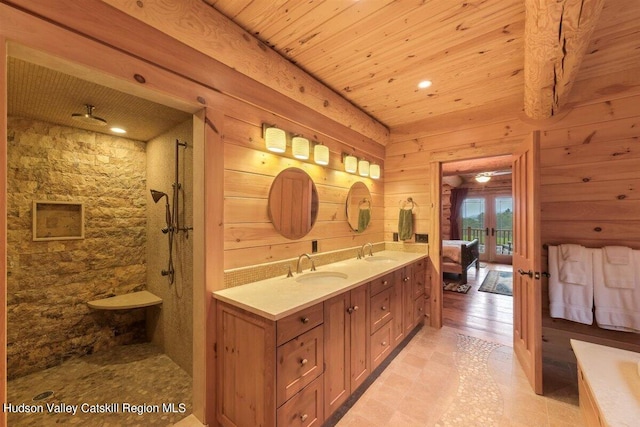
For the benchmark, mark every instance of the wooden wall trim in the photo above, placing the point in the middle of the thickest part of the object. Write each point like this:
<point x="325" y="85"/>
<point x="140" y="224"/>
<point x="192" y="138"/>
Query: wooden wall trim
<point x="556" y="37"/>
<point x="208" y="31"/>
<point x="112" y="28"/>
<point x="3" y="227"/>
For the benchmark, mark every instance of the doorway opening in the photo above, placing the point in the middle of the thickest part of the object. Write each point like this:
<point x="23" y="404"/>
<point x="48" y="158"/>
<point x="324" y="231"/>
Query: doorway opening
<point x="477" y="204"/>
<point x="120" y="252"/>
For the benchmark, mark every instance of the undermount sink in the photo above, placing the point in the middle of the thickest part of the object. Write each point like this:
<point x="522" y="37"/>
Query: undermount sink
<point x="379" y="258"/>
<point x="321" y="277"/>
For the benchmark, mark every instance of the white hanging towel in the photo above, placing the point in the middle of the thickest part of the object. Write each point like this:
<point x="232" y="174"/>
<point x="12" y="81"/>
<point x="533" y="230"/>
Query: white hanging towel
<point x="618" y="267"/>
<point x="567" y="300"/>
<point x="617" y="309"/>
<point x="571" y="263"/>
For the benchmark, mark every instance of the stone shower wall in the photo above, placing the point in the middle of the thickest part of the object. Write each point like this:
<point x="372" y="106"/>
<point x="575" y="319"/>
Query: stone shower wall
<point x="50" y="282"/>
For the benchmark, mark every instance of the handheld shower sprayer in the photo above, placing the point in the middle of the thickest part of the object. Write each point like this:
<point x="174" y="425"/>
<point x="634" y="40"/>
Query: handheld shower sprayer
<point x="157" y="195"/>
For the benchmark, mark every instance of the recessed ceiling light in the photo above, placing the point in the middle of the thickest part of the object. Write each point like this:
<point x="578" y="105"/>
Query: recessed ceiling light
<point x="424" y="84"/>
<point x="118" y="130"/>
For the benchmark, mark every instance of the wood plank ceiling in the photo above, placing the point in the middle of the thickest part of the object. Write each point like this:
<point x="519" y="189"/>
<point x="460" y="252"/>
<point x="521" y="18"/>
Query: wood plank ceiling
<point x="375" y="52"/>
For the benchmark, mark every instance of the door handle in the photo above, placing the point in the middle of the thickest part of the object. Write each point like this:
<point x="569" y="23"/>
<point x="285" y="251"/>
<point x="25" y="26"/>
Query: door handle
<point x="525" y="273"/>
<point x="486" y="231"/>
<point x="493" y="231"/>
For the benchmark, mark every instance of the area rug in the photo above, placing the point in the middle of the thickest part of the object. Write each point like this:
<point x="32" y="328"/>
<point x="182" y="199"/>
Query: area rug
<point x="498" y="282"/>
<point x="456" y="287"/>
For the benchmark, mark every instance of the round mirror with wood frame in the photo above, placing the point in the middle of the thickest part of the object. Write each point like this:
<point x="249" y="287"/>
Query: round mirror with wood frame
<point x="293" y="203"/>
<point x="359" y="207"/>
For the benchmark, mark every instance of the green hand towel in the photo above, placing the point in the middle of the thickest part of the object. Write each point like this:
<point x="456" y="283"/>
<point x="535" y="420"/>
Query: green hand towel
<point x="364" y="216"/>
<point x="405" y="224"/>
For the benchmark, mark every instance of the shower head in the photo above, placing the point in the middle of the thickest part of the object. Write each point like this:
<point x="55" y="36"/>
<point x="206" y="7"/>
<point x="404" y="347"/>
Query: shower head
<point x="157" y="195"/>
<point x="88" y="118"/>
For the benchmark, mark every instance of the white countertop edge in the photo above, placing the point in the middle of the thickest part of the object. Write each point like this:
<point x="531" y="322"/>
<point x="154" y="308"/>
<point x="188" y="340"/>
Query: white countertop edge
<point x="612" y="375"/>
<point x="258" y="297"/>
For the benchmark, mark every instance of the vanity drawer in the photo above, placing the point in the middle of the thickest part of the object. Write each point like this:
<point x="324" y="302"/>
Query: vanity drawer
<point x="298" y="362"/>
<point x="380" y="345"/>
<point x="299" y="323"/>
<point x="381" y="283"/>
<point x="420" y="264"/>
<point x="305" y="408"/>
<point x="380" y="309"/>
<point x="418" y="284"/>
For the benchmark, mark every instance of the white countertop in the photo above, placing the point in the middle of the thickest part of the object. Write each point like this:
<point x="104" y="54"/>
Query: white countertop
<point x="280" y="296"/>
<point x="612" y="375"/>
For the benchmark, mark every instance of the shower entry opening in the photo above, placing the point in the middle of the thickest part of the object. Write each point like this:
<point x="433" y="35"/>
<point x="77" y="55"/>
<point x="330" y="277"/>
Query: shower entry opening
<point x="489" y="218"/>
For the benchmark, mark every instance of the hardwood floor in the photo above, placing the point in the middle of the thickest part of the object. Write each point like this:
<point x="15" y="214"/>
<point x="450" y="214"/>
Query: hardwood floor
<point x="480" y="314"/>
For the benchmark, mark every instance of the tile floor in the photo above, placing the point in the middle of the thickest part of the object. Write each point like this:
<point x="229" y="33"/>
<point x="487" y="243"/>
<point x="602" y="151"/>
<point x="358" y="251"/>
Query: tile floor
<point x="441" y="378"/>
<point x="444" y="378"/>
<point x="132" y="374"/>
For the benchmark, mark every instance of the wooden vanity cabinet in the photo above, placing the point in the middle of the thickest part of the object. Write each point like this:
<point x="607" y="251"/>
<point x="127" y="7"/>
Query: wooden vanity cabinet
<point x="418" y="286"/>
<point x="299" y="370"/>
<point x="270" y="370"/>
<point x="346" y="344"/>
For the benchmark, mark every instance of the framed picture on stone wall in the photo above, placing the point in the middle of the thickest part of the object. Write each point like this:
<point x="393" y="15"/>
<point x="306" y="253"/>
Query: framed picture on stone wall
<point x="53" y="220"/>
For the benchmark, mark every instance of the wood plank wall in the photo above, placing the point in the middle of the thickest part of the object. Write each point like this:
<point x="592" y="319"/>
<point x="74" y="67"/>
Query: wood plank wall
<point x="249" y="170"/>
<point x="590" y="181"/>
<point x="590" y="195"/>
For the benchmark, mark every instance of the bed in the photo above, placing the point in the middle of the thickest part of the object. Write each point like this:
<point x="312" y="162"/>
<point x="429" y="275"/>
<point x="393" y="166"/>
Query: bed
<point x="458" y="256"/>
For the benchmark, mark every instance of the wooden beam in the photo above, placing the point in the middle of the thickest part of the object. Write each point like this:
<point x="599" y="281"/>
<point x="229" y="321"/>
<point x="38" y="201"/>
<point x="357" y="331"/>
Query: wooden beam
<point x="203" y="28"/>
<point x="557" y="34"/>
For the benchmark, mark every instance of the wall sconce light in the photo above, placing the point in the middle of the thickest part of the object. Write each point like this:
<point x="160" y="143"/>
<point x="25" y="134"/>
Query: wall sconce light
<point x="300" y="147"/>
<point x="374" y="171"/>
<point x="321" y="154"/>
<point x="274" y="138"/>
<point x="350" y="163"/>
<point x="483" y="177"/>
<point x="363" y="168"/>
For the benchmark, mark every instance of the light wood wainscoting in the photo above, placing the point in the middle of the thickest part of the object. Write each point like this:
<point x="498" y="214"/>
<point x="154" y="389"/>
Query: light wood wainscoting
<point x="249" y="170"/>
<point x="589" y="180"/>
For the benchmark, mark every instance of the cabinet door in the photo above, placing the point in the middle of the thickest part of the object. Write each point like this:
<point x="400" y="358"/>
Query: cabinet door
<point x="397" y="330"/>
<point x="360" y="367"/>
<point x="246" y="367"/>
<point x="337" y="331"/>
<point x="407" y="298"/>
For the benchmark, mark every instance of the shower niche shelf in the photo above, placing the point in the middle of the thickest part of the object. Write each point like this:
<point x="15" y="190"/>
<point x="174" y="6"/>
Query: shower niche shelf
<point x="127" y="301"/>
<point x="54" y="220"/>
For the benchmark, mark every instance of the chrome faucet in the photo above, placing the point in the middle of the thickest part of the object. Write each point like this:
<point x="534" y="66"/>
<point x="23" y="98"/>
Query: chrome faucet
<point x="361" y="250"/>
<point x="313" y="264"/>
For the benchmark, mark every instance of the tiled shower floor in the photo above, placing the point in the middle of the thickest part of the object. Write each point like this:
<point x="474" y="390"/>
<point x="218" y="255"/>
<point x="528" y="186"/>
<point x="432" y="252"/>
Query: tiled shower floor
<point x="119" y="380"/>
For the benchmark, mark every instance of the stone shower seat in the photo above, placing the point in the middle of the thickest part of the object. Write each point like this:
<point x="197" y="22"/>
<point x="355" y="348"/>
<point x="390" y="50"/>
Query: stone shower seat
<point x="123" y="302"/>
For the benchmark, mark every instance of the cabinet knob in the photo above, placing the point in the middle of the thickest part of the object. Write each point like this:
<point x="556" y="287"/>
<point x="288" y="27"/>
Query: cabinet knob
<point x="385" y="282"/>
<point x="384" y="343"/>
<point x="304" y="362"/>
<point x="355" y="308"/>
<point x="304" y="320"/>
<point x="383" y="308"/>
<point x="304" y="417"/>
<point x="406" y="279"/>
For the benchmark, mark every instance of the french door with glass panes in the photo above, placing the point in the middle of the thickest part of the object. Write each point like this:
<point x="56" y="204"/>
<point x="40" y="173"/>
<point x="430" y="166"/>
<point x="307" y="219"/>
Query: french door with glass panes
<point x="489" y="218"/>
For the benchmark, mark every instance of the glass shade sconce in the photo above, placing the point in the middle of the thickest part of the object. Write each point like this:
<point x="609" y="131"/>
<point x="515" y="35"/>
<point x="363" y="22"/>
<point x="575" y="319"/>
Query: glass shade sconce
<point x="374" y="171"/>
<point x="363" y="168"/>
<point x="275" y="139"/>
<point x="321" y="154"/>
<point x="350" y="163"/>
<point x="300" y="147"/>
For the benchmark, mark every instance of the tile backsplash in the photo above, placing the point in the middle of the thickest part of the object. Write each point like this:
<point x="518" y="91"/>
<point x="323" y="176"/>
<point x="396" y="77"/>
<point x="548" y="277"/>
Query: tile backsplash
<point x="241" y="276"/>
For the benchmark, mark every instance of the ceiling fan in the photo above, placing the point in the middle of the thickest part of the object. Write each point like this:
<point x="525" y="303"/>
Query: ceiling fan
<point x="486" y="176"/>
